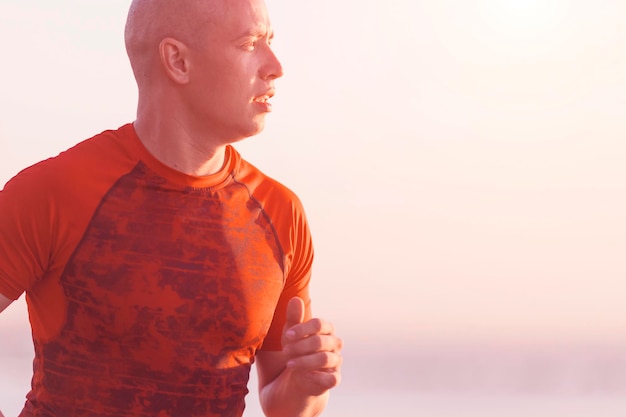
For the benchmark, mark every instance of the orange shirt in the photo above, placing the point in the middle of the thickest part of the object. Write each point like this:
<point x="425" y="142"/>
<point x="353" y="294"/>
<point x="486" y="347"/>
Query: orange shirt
<point x="149" y="291"/>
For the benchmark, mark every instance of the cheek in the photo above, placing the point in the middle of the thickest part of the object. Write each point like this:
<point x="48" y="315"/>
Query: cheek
<point x="240" y="71"/>
<point x="225" y="83"/>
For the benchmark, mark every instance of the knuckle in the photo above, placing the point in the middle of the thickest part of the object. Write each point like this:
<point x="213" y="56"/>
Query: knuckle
<point x="332" y="379"/>
<point x="339" y="360"/>
<point x="327" y="358"/>
<point x="339" y="343"/>
<point x="316" y="342"/>
<point x="317" y="324"/>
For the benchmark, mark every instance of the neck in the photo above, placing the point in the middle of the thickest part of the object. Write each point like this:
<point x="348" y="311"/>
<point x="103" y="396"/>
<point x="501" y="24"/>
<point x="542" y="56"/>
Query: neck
<point x="181" y="149"/>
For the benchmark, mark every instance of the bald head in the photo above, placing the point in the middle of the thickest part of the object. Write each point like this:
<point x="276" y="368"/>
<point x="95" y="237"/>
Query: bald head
<point x="151" y="21"/>
<point x="203" y="67"/>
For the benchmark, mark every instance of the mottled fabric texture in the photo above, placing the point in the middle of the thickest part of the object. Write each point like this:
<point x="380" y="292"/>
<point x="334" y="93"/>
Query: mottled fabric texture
<point x="153" y="289"/>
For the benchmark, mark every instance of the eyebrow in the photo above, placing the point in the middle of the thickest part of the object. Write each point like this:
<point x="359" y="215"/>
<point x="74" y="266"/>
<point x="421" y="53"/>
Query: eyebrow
<point x="260" y="33"/>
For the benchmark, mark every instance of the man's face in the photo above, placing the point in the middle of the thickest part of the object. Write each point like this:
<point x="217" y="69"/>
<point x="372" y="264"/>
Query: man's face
<point x="232" y="71"/>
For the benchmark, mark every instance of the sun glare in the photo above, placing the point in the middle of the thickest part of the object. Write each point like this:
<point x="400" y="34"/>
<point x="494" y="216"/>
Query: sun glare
<point x="524" y="20"/>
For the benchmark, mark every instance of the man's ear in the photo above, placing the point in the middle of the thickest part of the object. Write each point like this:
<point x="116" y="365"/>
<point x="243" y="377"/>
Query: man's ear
<point x="175" y="60"/>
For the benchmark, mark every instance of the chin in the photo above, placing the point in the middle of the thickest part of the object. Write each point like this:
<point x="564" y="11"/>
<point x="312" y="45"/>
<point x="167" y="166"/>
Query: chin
<point x="257" y="127"/>
<point x="247" y="133"/>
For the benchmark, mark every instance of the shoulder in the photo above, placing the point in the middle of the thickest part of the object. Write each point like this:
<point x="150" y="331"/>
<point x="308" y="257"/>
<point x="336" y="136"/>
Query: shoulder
<point x="286" y="213"/>
<point x="267" y="190"/>
<point x="82" y="172"/>
<point x="99" y="153"/>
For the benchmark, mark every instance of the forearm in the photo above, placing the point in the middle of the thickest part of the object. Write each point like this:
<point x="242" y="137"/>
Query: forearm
<point x="283" y="398"/>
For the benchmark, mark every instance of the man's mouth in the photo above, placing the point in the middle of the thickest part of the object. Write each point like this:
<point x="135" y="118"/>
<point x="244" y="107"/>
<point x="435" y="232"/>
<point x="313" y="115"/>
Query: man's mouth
<point x="262" y="99"/>
<point x="265" y="97"/>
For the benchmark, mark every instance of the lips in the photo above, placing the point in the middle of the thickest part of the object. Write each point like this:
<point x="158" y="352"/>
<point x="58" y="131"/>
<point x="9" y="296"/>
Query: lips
<point x="263" y="98"/>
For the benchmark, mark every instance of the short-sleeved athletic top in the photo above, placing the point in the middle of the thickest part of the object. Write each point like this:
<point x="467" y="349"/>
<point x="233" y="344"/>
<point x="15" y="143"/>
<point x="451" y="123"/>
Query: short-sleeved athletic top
<point x="149" y="291"/>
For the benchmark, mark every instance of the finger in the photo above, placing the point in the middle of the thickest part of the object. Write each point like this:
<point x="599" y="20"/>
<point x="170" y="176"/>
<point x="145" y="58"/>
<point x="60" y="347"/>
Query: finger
<point x="312" y="344"/>
<point x="295" y="312"/>
<point x="318" y="382"/>
<point x="326" y="380"/>
<point x="318" y="362"/>
<point x="312" y="327"/>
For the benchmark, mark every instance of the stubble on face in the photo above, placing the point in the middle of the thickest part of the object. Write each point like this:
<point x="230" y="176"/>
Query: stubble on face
<point x="220" y="99"/>
<point x="232" y="76"/>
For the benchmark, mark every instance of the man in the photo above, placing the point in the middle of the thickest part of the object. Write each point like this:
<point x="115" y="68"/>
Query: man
<point x="157" y="264"/>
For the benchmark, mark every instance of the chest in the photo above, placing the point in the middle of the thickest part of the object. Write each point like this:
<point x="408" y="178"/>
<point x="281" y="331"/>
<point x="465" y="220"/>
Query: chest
<point x="176" y="271"/>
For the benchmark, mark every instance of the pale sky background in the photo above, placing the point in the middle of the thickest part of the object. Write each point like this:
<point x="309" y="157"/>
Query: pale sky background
<point x="462" y="162"/>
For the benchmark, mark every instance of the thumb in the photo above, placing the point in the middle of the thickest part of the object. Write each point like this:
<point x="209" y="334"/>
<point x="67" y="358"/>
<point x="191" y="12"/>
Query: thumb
<point x="295" y="312"/>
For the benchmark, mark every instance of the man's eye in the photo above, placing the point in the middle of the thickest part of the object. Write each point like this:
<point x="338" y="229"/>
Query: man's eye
<point x="249" y="46"/>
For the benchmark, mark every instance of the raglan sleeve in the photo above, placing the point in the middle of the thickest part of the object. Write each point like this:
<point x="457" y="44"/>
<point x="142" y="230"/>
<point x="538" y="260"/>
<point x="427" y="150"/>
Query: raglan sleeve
<point x="25" y="237"/>
<point x="298" y="246"/>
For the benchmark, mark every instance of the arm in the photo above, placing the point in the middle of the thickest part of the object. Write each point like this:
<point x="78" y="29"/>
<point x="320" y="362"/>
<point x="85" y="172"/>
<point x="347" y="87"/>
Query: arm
<point x="295" y="382"/>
